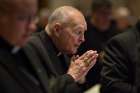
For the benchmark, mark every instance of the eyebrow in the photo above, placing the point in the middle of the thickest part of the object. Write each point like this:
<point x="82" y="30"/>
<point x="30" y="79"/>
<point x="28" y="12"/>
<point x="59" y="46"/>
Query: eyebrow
<point x="80" y="27"/>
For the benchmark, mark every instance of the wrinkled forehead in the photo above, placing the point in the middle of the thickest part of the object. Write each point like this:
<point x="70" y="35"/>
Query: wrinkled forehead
<point x="14" y="6"/>
<point x="79" y="22"/>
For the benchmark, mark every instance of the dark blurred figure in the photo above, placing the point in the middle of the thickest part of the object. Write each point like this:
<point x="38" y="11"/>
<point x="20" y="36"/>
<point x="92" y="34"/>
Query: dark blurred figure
<point x="121" y="63"/>
<point x="100" y="28"/>
<point x="122" y="18"/>
<point x="16" y="25"/>
<point x="42" y="19"/>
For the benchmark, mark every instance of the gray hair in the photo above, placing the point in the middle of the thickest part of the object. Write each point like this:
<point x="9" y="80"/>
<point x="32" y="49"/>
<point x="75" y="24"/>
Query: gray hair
<point x="62" y="14"/>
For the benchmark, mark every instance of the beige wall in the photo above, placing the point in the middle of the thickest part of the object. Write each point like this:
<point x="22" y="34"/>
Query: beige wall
<point x="57" y="3"/>
<point x="134" y="6"/>
<point x="84" y="5"/>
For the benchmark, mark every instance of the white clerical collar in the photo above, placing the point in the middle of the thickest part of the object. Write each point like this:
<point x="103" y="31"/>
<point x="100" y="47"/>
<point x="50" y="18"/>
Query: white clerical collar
<point x="15" y="49"/>
<point x="59" y="54"/>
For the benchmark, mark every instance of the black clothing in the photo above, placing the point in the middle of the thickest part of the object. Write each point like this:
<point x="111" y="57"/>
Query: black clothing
<point x="56" y="65"/>
<point x="121" y="69"/>
<point x="16" y="75"/>
<point x="96" y="39"/>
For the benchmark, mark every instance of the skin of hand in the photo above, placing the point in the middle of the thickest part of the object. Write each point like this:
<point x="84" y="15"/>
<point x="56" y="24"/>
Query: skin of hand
<point x="80" y="66"/>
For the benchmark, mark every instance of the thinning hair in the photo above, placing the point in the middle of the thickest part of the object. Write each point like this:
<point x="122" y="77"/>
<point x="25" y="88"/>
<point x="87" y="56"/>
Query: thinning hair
<point x="62" y="15"/>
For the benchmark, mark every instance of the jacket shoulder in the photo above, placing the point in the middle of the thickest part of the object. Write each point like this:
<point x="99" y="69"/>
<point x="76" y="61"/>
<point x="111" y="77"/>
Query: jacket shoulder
<point x="129" y="37"/>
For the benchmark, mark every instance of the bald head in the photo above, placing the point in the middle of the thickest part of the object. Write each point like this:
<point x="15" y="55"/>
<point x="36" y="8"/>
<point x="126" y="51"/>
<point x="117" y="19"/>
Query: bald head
<point x="121" y="12"/>
<point x="66" y="27"/>
<point x="122" y="18"/>
<point x="64" y="15"/>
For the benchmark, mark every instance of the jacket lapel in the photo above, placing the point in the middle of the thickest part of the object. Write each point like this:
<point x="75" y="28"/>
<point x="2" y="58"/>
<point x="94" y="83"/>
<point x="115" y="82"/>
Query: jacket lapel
<point x="52" y="52"/>
<point x="18" y="73"/>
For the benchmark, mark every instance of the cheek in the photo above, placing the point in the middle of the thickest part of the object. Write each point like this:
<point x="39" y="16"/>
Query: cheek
<point x="72" y="42"/>
<point x="19" y="30"/>
<point x="21" y="34"/>
<point x="71" y="39"/>
<point x="68" y="43"/>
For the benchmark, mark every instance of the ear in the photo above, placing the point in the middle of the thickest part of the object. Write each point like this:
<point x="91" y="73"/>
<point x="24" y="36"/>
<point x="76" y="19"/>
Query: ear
<point x="57" y="29"/>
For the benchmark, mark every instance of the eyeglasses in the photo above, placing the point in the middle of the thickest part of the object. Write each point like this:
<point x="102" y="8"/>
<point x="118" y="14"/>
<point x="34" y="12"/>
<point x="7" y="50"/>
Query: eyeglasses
<point x="28" y="18"/>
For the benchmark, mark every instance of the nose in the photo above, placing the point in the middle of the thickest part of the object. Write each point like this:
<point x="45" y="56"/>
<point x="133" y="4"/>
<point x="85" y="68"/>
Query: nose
<point x="82" y="39"/>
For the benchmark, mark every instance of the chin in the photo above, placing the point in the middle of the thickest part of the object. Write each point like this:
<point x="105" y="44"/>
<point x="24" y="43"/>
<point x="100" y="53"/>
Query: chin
<point x="70" y="52"/>
<point x="22" y="43"/>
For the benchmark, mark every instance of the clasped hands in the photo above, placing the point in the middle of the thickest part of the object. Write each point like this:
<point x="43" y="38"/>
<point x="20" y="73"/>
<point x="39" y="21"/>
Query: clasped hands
<point x="80" y="66"/>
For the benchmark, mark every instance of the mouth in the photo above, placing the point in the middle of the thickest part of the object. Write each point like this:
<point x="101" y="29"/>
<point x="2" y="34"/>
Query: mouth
<point x="26" y="36"/>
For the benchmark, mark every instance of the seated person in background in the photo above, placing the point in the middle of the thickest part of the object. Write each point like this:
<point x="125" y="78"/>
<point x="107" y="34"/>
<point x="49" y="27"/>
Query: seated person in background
<point x="42" y="19"/>
<point x="100" y="28"/>
<point x="121" y="63"/>
<point x="62" y="36"/>
<point x="122" y="18"/>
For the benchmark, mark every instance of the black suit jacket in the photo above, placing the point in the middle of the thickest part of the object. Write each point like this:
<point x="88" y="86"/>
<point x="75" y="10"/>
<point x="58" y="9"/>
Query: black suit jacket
<point x="14" y="76"/>
<point x="120" y="73"/>
<point x="56" y="67"/>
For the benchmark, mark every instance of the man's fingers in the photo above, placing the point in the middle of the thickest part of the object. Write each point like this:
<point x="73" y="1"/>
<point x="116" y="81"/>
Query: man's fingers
<point x="74" y="57"/>
<point x="81" y="65"/>
<point x="93" y="61"/>
<point x="86" y="54"/>
<point x="90" y="58"/>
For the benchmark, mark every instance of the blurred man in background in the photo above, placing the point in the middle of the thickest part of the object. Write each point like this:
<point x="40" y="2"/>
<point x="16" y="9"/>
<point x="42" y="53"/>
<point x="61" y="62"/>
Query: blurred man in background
<point x="16" y="25"/>
<point x="122" y="18"/>
<point x="121" y="63"/>
<point x="100" y="28"/>
<point x="42" y="19"/>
